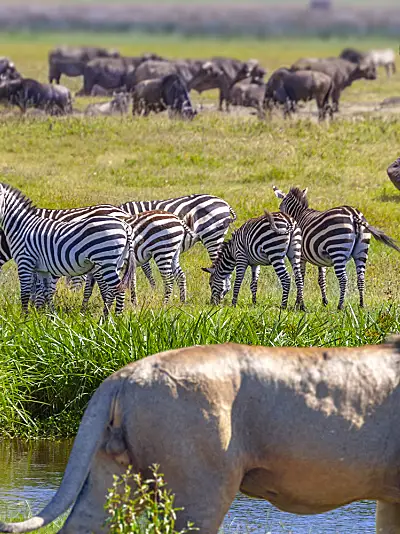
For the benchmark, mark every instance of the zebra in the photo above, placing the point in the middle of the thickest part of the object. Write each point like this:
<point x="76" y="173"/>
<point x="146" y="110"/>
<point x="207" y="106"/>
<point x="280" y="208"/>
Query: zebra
<point x="265" y="240"/>
<point x="332" y="238"/>
<point x="65" y="215"/>
<point x="52" y="248"/>
<point x="159" y="235"/>
<point x="211" y="218"/>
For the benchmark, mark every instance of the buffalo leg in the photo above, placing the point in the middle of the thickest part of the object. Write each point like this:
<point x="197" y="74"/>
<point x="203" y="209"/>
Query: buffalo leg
<point x="387" y="518"/>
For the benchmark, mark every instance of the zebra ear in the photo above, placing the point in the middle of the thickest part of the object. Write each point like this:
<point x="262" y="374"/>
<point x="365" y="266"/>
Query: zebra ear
<point x="209" y="270"/>
<point x="305" y="192"/>
<point x="278" y="192"/>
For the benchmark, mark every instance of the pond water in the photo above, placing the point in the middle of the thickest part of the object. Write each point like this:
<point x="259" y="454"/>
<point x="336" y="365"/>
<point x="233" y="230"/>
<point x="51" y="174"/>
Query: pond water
<point x="31" y="472"/>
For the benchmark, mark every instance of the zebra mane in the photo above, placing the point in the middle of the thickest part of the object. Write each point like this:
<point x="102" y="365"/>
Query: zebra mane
<point x="298" y="194"/>
<point x="16" y="194"/>
<point x="221" y="251"/>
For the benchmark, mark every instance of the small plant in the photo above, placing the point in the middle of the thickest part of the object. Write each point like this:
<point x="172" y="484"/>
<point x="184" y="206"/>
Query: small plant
<point x="137" y="506"/>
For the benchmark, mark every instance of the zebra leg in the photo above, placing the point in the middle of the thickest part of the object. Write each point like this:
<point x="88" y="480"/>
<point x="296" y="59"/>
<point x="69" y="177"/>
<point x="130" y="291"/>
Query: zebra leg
<point x="322" y="284"/>
<point x="146" y="268"/>
<point x="120" y="302"/>
<point x="284" y="278"/>
<point x="89" y="285"/>
<point x="25" y="275"/>
<point x="255" y="273"/>
<point x="107" y="295"/>
<point x="303" y="269"/>
<point x="341" y="274"/>
<point x="179" y="275"/>
<point x="168" y="280"/>
<point x="36" y="287"/>
<point x="298" y="278"/>
<point x="299" y="269"/>
<point x="134" y="289"/>
<point x="360" y="269"/>
<point x="241" y="266"/>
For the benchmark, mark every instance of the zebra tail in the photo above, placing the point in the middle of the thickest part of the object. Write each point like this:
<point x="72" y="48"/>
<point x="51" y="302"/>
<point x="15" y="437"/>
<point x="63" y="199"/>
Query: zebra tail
<point x="130" y="268"/>
<point x="381" y="236"/>
<point x="233" y="215"/>
<point x="279" y="231"/>
<point x="188" y="225"/>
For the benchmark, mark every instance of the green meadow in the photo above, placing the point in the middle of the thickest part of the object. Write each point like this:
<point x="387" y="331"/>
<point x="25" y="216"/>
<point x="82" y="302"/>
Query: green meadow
<point x="51" y="364"/>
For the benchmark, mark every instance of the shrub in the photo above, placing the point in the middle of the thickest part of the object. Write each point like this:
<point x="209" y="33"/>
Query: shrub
<point x="138" y="506"/>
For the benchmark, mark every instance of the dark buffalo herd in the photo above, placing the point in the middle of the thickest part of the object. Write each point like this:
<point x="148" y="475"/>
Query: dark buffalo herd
<point x="153" y="83"/>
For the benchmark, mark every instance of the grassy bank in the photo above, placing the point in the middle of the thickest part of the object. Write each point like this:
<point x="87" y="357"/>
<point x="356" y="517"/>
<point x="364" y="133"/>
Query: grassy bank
<point x="49" y="366"/>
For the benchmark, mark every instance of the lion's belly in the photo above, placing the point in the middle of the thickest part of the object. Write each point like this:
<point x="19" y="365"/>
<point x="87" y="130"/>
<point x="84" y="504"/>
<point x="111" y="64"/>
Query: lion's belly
<point x="303" y="487"/>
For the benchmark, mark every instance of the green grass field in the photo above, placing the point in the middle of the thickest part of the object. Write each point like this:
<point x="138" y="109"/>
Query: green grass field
<point x="49" y="366"/>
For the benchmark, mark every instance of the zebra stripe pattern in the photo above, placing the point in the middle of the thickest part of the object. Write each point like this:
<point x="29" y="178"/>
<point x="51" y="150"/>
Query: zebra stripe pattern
<point x="331" y="238"/>
<point x="64" y="215"/>
<point x="211" y="217"/>
<point x="265" y="240"/>
<point x="100" y="244"/>
<point x="159" y="235"/>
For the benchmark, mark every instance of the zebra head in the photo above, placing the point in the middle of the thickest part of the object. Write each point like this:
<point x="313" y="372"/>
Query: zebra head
<point x="221" y="273"/>
<point x="219" y="285"/>
<point x="294" y="202"/>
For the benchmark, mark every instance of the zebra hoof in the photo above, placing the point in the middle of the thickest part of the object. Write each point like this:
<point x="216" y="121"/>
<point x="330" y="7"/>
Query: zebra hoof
<point x="300" y="306"/>
<point x="324" y="302"/>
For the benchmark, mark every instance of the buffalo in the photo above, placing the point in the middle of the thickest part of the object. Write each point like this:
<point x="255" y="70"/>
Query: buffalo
<point x="157" y="69"/>
<point x="26" y="93"/>
<point x="288" y="88"/>
<point x="393" y="172"/>
<point x="308" y="429"/>
<point x="157" y="95"/>
<point x="8" y="70"/>
<point x="353" y="55"/>
<point x="111" y="73"/>
<point x="71" y="61"/>
<point x="119" y="104"/>
<point x="249" y="93"/>
<point x="342" y="72"/>
<point x="223" y="74"/>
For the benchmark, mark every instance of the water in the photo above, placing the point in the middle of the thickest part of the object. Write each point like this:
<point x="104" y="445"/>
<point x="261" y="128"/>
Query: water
<point x="31" y="472"/>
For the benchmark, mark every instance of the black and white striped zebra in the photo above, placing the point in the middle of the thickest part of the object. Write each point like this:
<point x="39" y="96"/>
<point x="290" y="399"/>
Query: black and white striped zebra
<point x="265" y="240"/>
<point x="100" y="244"/>
<point x="331" y="238"/>
<point x="210" y="216"/>
<point x="159" y="235"/>
<point x="64" y="215"/>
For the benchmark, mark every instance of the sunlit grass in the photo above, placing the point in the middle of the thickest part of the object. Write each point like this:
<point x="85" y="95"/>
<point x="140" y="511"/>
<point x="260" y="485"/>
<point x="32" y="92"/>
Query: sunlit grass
<point x="50" y="365"/>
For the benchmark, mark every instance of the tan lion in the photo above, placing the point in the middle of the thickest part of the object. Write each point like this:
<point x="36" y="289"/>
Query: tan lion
<point x="308" y="429"/>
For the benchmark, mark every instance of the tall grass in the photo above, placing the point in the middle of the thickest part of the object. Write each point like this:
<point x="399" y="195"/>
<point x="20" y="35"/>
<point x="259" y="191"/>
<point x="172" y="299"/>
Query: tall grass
<point x="51" y="365"/>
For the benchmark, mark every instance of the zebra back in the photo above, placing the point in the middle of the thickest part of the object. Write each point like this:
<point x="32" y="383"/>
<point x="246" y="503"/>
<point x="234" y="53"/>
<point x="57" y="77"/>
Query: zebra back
<point x="211" y="216"/>
<point x="65" y="215"/>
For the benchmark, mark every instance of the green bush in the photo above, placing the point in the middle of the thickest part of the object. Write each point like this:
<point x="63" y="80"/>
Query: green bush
<point x="138" y="506"/>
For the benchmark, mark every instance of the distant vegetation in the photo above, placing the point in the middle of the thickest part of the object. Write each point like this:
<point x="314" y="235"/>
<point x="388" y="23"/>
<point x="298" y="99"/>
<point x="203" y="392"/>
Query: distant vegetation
<point x="259" y="18"/>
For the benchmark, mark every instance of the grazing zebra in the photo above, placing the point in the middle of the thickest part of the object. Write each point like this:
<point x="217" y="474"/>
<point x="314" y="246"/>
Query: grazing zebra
<point x="159" y="235"/>
<point x="332" y="238"/>
<point x="265" y="240"/>
<point x="52" y="248"/>
<point x="64" y="215"/>
<point x="211" y="218"/>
